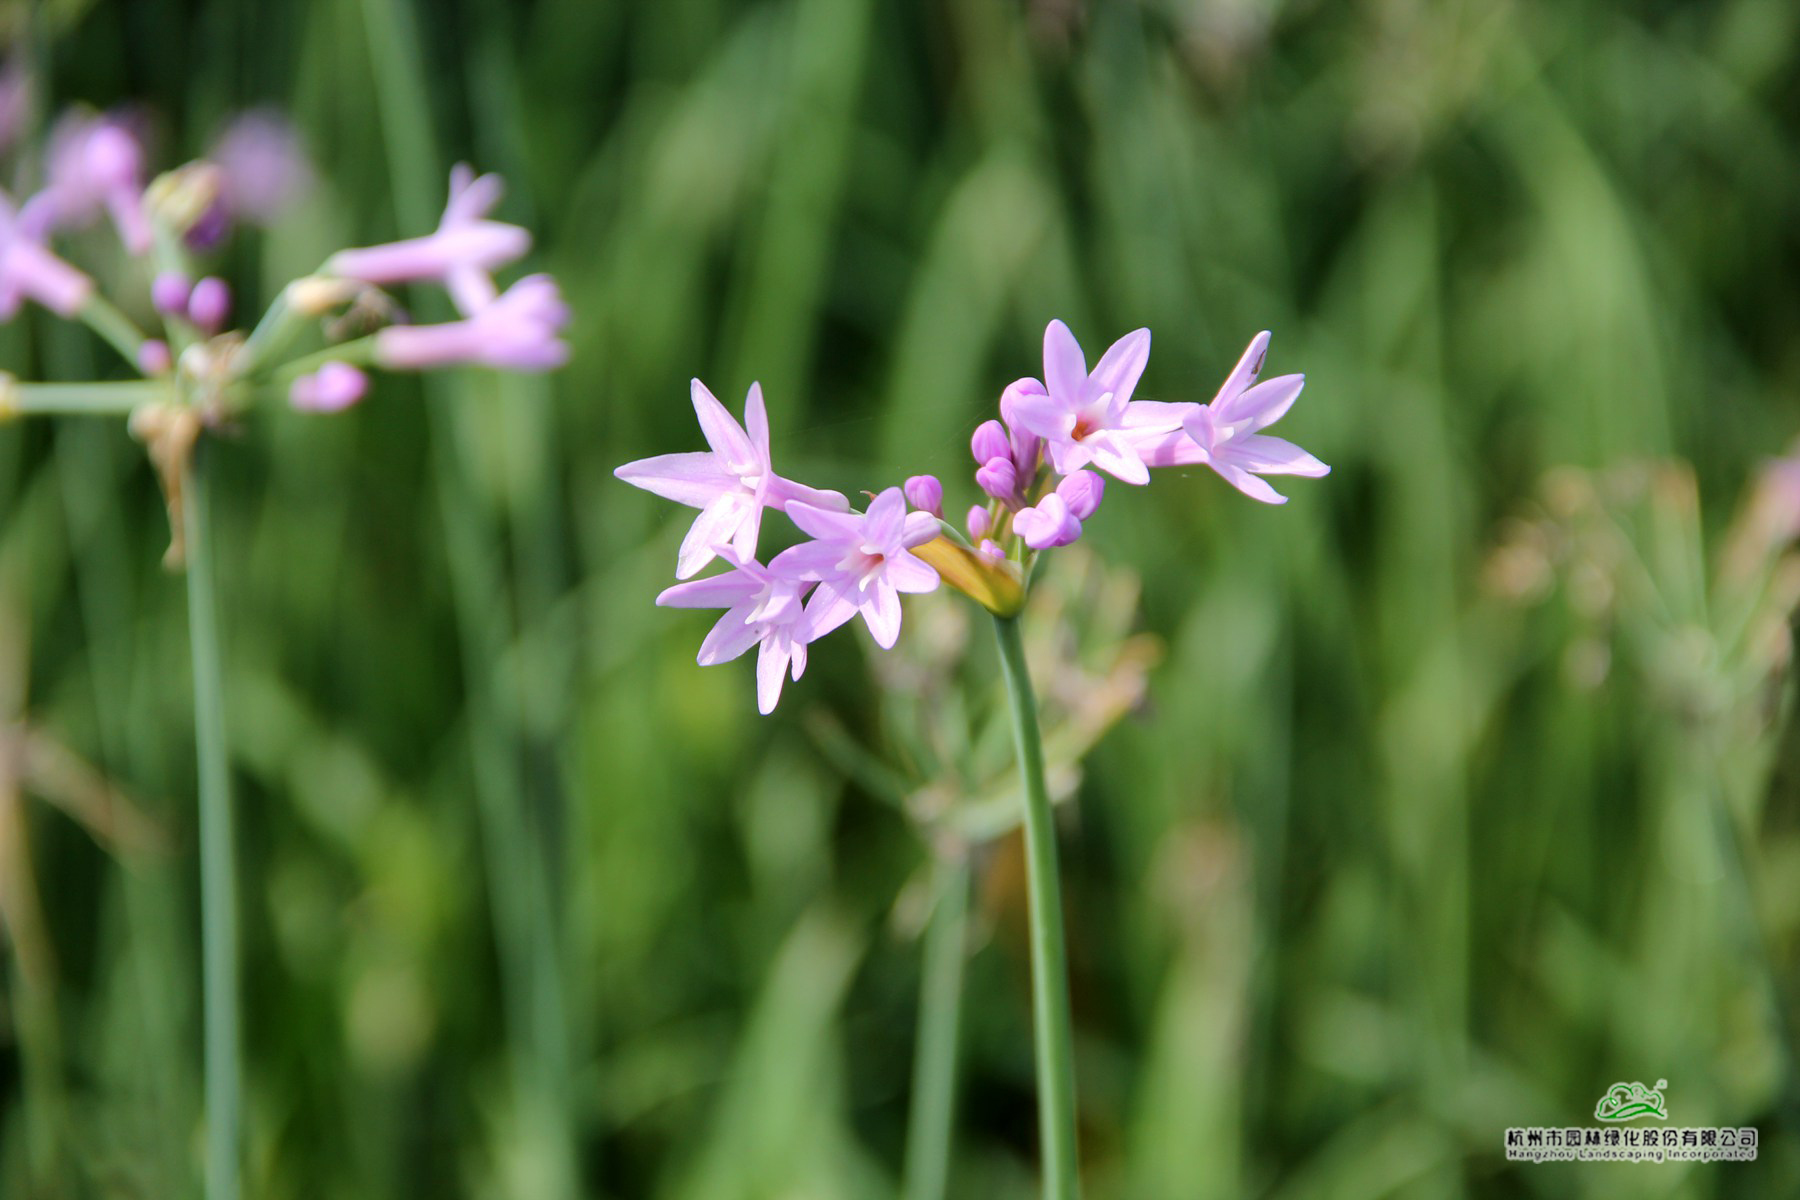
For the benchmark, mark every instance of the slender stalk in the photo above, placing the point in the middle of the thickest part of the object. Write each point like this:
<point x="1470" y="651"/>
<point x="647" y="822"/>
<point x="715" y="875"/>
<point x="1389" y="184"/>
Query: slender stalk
<point x="358" y="353"/>
<point x="80" y="399"/>
<point x="1052" y="1027"/>
<point x="218" y="885"/>
<point x="931" y="1121"/>
<point x="100" y="315"/>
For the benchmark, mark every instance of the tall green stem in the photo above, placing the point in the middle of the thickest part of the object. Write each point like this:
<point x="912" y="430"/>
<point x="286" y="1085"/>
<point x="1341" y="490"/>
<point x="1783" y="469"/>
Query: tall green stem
<point x="932" y="1117"/>
<point x="218" y="883"/>
<point x="1053" y="1030"/>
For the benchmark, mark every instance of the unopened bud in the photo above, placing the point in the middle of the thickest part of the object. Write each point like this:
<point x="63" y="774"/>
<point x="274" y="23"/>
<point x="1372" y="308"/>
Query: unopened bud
<point x="990" y="442"/>
<point x="925" y="493"/>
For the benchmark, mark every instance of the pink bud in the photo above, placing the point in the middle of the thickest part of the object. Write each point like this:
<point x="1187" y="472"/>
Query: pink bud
<point x="332" y="388"/>
<point x="1047" y="525"/>
<point x="1081" y="492"/>
<point x="210" y="304"/>
<point x="977" y="522"/>
<point x="999" y="479"/>
<point x="169" y="293"/>
<point x="153" y="357"/>
<point x="925" y="493"/>
<point x="992" y="549"/>
<point x="990" y="442"/>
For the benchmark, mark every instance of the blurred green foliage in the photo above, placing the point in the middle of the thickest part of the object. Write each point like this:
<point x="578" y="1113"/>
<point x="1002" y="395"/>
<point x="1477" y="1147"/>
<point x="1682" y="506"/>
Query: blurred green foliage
<point x="1451" y="803"/>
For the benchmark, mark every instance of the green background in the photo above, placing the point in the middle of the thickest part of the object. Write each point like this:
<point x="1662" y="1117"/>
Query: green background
<point x="1451" y="802"/>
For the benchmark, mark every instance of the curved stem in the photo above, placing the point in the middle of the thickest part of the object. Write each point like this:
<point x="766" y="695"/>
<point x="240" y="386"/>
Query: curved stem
<point x="218" y="885"/>
<point x="931" y="1121"/>
<point x="1052" y="1027"/>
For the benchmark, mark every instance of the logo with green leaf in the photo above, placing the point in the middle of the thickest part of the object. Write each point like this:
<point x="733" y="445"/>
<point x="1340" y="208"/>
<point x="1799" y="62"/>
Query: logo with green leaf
<point x="1628" y="1101"/>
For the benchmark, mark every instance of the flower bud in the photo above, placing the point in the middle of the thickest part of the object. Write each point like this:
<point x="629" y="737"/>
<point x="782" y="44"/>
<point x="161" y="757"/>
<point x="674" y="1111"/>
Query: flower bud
<point x="925" y="493"/>
<point x="977" y="521"/>
<point x="1081" y="492"/>
<point x="992" y="549"/>
<point x="210" y="304"/>
<point x="153" y="357"/>
<point x="1049" y="524"/>
<point x="332" y="388"/>
<point x="990" y="442"/>
<point x="999" y="479"/>
<point x="169" y="293"/>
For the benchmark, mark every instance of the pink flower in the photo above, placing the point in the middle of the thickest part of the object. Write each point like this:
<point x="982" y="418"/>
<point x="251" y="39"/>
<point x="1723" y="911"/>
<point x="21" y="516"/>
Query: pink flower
<point x="1049" y="523"/>
<point x="730" y="484"/>
<point x="209" y="304"/>
<point x="1223" y="435"/>
<point x="518" y="331"/>
<point x="999" y="479"/>
<point x="462" y="254"/>
<point x="1090" y="418"/>
<point x="863" y="561"/>
<point x="28" y="271"/>
<point x="925" y="493"/>
<point x="94" y="164"/>
<point x="761" y="609"/>
<point x="332" y="388"/>
<point x="978" y="521"/>
<point x="262" y="169"/>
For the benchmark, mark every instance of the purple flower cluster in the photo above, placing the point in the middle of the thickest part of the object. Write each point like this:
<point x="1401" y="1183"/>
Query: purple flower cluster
<point x="1033" y="464"/>
<point x="94" y="167"/>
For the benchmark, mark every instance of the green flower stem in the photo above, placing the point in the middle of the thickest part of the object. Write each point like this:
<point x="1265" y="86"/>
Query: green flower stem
<point x="932" y="1118"/>
<point x="271" y="335"/>
<point x="80" y="399"/>
<point x="1052" y="1027"/>
<point x="100" y="315"/>
<point x="360" y="352"/>
<point x="218" y="885"/>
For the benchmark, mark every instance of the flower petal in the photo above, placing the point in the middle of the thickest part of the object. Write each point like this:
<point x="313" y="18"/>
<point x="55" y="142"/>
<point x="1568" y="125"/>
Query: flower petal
<point x="781" y="491"/>
<point x="829" y="607"/>
<point x="1269" y="455"/>
<point x="729" y="637"/>
<point x="723" y="433"/>
<point x="1043" y="416"/>
<point x="1264" y="404"/>
<point x="715" y="591"/>
<point x="1122" y="365"/>
<point x="714" y="526"/>
<point x="1248" y="484"/>
<point x="1065" y="370"/>
<point x="1172" y="449"/>
<point x="1155" y="414"/>
<point x="693" y="479"/>
<point x="809" y="560"/>
<point x="1112" y="452"/>
<point x="756" y="424"/>
<point x="919" y="528"/>
<point x="771" y="666"/>
<point x="1244" y="374"/>
<point x="824" y="523"/>
<point x="881" y="613"/>
<point x="885" y="519"/>
<point x="909" y="573"/>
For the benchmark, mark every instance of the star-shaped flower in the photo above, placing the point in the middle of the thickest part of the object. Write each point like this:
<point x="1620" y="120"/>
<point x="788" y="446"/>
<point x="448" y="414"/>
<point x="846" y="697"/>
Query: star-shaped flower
<point x="761" y="609"/>
<point x="863" y="561"/>
<point x="730" y="484"/>
<point x="1089" y="417"/>
<point x="1224" y="434"/>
